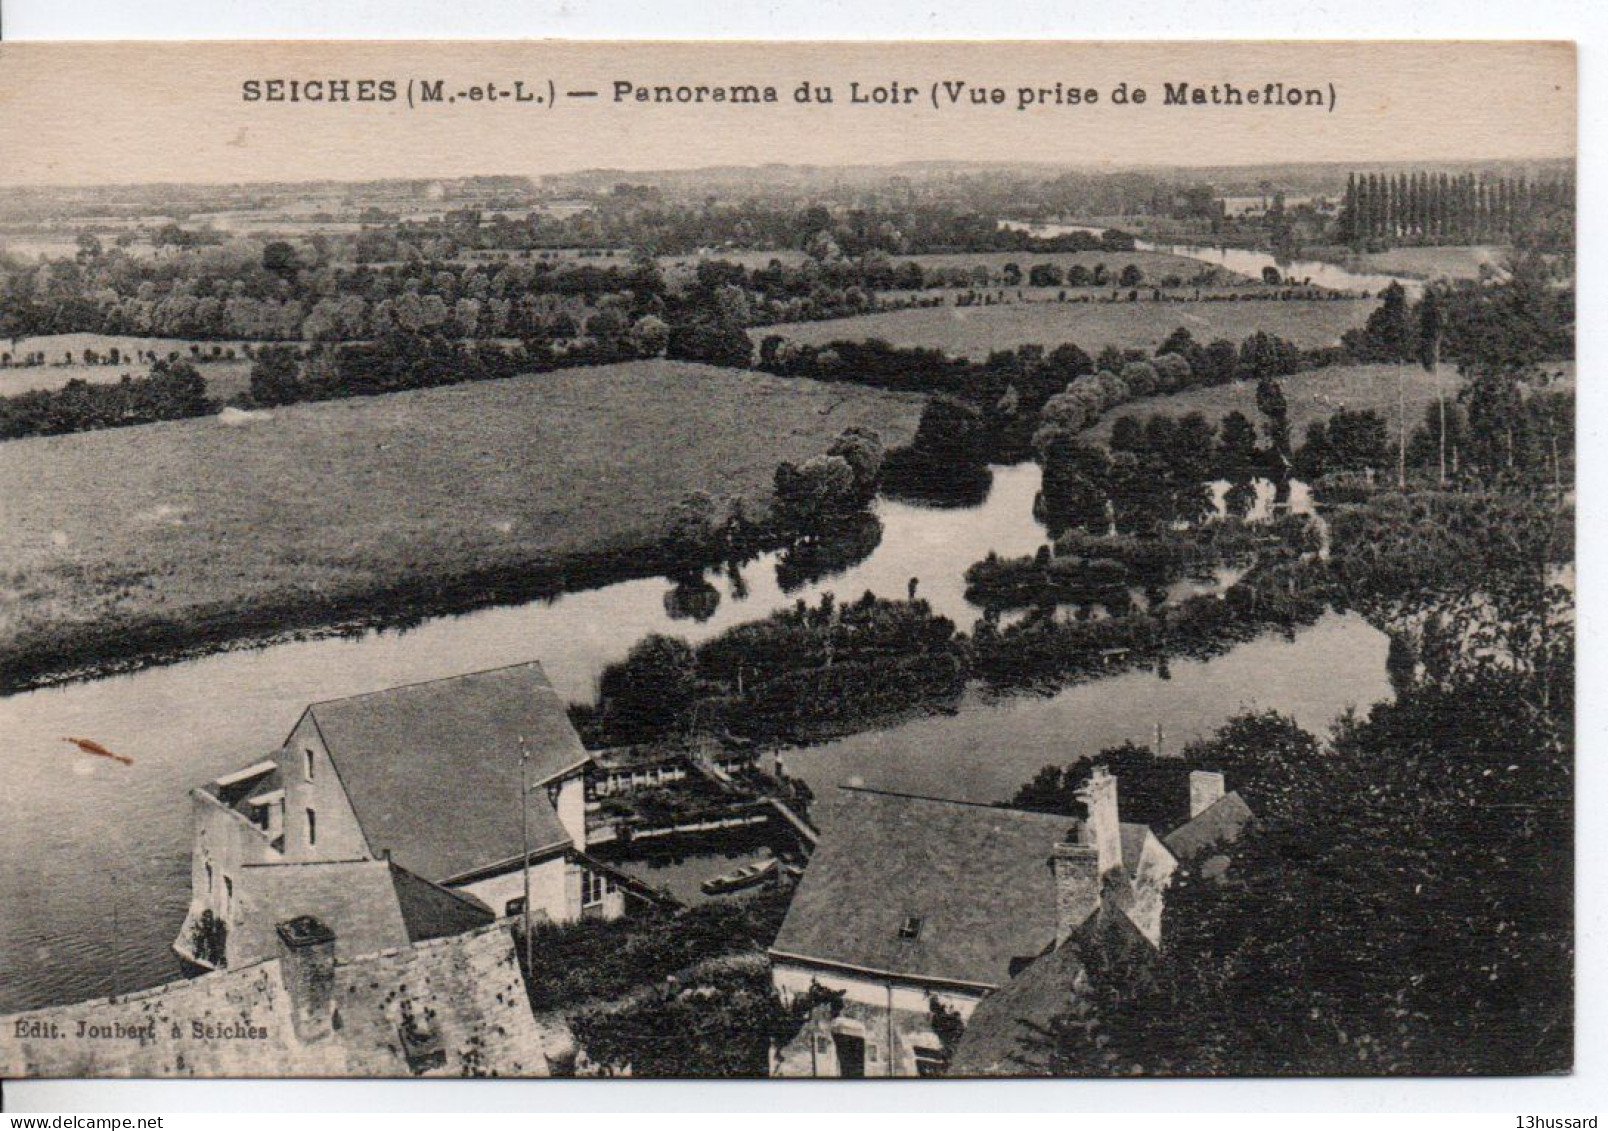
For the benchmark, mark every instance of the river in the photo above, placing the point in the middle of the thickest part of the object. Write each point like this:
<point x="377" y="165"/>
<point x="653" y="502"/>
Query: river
<point x="94" y="855"/>
<point x="1247" y="262"/>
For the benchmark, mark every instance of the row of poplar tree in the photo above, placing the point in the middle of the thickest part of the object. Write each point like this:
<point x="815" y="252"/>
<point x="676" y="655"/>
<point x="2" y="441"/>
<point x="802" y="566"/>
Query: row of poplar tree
<point x="1443" y="208"/>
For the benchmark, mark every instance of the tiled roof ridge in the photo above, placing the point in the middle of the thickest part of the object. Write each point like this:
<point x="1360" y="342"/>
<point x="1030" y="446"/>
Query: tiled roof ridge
<point x="309" y="863"/>
<point x="426" y="682"/>
<point x="988" y="805"/>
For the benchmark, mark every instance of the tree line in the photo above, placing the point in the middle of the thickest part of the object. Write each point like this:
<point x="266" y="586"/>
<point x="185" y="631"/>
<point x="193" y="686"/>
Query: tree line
<point x="174" y="390"/>
<point x="1425" y="208"/>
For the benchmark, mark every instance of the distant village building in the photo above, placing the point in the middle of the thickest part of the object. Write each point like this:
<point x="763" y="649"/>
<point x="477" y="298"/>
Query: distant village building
<point x="312" y="1007"/>
<point x="1264" y="203"/>
<point x="911" y="903"/>
<point x="395" y="817"/>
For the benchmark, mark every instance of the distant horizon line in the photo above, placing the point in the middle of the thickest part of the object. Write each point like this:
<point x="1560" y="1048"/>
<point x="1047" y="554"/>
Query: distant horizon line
<point x="611" y="170"/>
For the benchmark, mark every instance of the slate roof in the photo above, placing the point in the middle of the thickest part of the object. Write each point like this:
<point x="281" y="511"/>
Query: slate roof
<point x="1220" y="823"/>
<point x="977" y="876"/>
<point x="433" y="912"/>
<point x="354" y="897"/>
<point x="432" y="769"/>
<point x="370" y="905"/>
<point x="1006" y="1034"/>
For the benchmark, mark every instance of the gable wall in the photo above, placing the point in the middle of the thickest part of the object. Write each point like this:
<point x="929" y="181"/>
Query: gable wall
<point x="340" y="837"/>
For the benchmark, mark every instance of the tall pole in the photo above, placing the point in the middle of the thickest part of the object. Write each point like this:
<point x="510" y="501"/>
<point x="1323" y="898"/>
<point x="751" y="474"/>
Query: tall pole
<point x="524" y="840"/>
<point x="1401" y="427"/>
<point x="1440" y="397"/>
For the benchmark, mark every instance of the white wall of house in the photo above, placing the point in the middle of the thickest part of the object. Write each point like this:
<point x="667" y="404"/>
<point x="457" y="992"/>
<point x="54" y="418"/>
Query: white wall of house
<point x="794" y="978"/>
<point x="570" y="804"/>
<point x="338" y="835"/>
<point x="558" y="886"/>
<point x="892" y="1017"/>
<point x="1151" y="879"/>
<point x="549" y="889"/>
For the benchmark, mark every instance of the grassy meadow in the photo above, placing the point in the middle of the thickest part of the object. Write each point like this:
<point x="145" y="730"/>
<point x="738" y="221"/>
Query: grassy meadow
<point x="1314" y="395"/>
<point x="162" y="536"/>
<point x="976" y="331"/>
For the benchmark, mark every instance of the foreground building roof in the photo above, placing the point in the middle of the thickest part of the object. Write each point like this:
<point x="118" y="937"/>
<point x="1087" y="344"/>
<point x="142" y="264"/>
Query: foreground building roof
<point x="1010" y="1032"/>
<point x="371" y="905"/>
<point x="973" y="880"/>
<point x="432" y="769"/>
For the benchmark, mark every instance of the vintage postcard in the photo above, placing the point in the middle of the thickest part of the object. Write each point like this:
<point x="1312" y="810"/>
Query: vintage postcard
<point x="787" y="560"/>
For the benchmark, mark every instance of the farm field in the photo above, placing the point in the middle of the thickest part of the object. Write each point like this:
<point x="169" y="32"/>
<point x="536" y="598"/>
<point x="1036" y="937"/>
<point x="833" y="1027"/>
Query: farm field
<point x="1314" y="395"/>
<point x="32" y="245"/>
<point x="169" y="532"/>
<point x="224" y="378"/>
<point x="976" y="331"/>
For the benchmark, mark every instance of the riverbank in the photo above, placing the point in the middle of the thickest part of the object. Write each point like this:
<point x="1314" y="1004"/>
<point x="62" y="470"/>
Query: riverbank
<point x="150" y="543"/>
<point x="95" y="651"/>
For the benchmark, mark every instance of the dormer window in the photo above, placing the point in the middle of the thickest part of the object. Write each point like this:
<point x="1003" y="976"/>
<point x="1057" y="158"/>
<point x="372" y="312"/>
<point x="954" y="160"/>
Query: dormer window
<point x="910" y="929"/>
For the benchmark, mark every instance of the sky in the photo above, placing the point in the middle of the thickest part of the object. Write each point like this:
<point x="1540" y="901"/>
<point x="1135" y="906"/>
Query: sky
<point x="177" y="112"/>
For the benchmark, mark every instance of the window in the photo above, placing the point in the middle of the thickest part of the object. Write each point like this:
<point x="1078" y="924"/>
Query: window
<point x="228" y="893"/>
<point x="209" y="879"/>
<point x="312" y="828"/>
<point x="911" y="927"/>
<point x="592" y="888"/>
<point x="514" y="907"/>
<point x="307" y="764"/>
<point x="930" y="1062"/>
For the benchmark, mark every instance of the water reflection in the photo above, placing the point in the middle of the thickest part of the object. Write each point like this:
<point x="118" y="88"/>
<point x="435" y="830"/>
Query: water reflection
<point x="832" y="553"/>
<point x="992" y="745"/>
<point x="691" y="598"/>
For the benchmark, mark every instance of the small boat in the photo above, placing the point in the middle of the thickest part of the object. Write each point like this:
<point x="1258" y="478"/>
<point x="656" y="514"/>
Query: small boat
<point x="745" y="877"/>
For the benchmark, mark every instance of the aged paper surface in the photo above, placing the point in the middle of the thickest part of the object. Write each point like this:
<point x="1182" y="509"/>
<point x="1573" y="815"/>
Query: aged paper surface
<point x="744" y="559"/>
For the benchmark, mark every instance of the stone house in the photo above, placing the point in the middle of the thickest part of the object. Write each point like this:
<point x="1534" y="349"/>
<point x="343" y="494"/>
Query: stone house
<point x="398" y="816"/>
<point x="911" y="902"/>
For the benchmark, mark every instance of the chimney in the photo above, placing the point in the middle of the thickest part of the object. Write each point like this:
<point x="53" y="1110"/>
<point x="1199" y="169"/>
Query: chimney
<point x="1205" y="790"/>
<point x="1077" y="885"/>
<point x="307" y="967"/>
<point x="1102" y="825"/>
